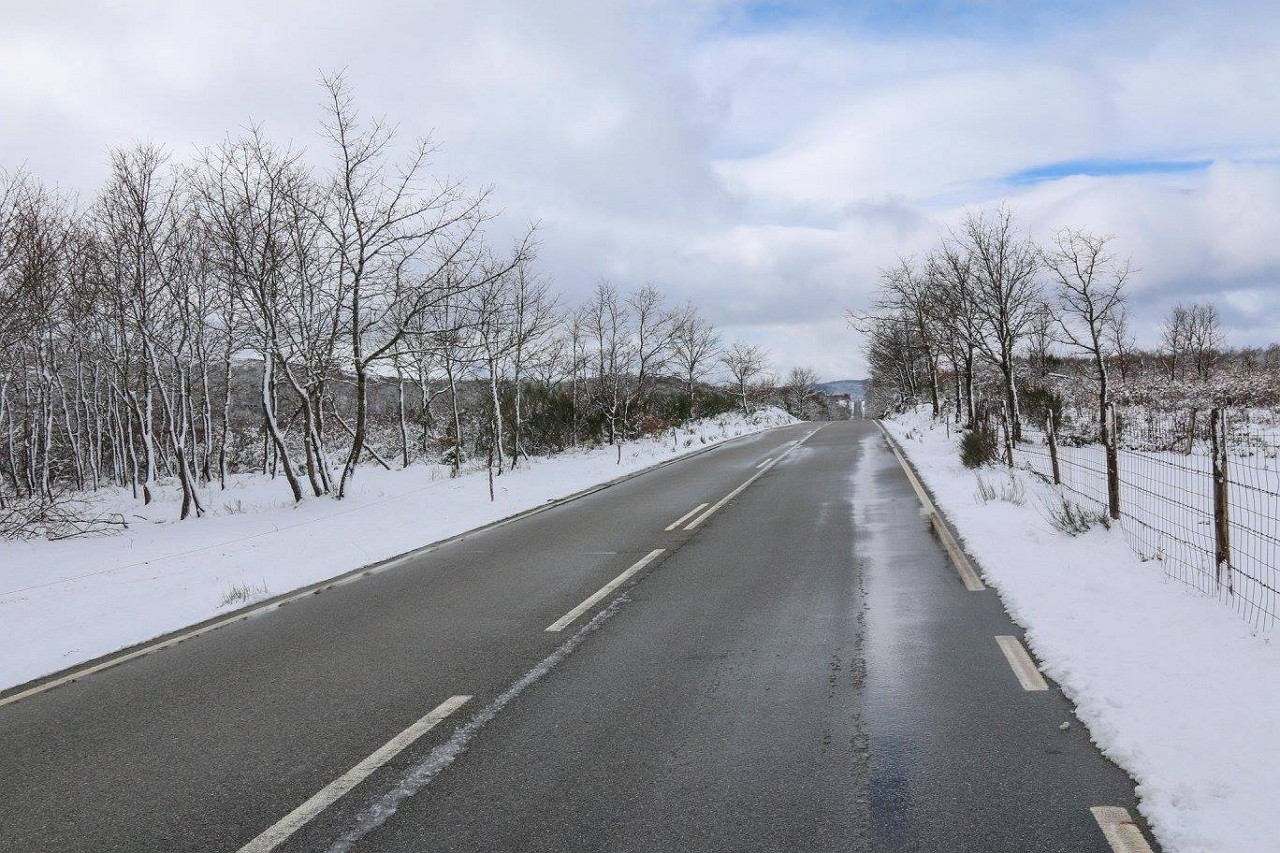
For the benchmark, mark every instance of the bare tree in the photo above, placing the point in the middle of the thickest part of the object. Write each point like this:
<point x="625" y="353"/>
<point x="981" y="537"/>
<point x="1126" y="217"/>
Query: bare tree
<point x="248" y="189"/>
<point x="744" y="363"/>
<point x="1204" y="337"/>
<point x="1121" y="340"/>
<point x="15" y="190"/>
<point x="1006" y="265"/>
<point x="800" y="394"/>
<point x="1041" y="338"/>
<point x="533" y="319"/>
<point x="490" y="309"/>
<point x="651" y="335"/>
<point x="1089" y="284"/>
<point x="454" y="343"/>
<point x="953" y="302"/>
<point x="1175" y="338"/>
<point x="384" y="221"/>
<point x="907" y="291"/>
<point x="694" y="344"/>
<point x="606" y="321"/>
<point x="145" y="215"/>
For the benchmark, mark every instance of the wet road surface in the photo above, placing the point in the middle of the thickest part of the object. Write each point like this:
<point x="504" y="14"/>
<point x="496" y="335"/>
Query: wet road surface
<point x="801" y="670"/>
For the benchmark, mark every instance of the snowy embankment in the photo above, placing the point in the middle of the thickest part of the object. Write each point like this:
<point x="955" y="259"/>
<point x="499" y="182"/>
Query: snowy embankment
<point x="1172" y="685"/>
<point x="65" y="602"/>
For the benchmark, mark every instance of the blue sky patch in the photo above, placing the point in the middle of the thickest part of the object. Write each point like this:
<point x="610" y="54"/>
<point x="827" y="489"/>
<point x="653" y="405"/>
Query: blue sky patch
<point x="990" y="19"/>
<point x="1105" y="168"/>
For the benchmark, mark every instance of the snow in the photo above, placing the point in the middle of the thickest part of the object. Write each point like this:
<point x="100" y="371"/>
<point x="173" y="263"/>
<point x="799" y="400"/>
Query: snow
<point x="66" y="602"/>
<point x="1167" y="501"/>
<point x="1173" y="685"/>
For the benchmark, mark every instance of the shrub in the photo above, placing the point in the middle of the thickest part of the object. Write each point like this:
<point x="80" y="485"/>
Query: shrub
<point x="242" y="593"/>
<point x="979" y="446"/>
<point x="1011" y="492"/>
<point x="1070" y="518"/>
<point x="1038" y="403"/>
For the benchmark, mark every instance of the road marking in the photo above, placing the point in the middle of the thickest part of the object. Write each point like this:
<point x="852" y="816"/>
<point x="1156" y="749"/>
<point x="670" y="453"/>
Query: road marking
<point x="1021" y="663"/>
<point x="49" y="681"/>
<point x="756" y="476"/>
<point x="765" y="462"/>
<point x="594" y="599"/>
<point x="331" y="793"/>
<point x="1121" y="832"/>
<point x="968" y="576"/>
<point x="422" y="774"/>
<point x="682" y="519"/>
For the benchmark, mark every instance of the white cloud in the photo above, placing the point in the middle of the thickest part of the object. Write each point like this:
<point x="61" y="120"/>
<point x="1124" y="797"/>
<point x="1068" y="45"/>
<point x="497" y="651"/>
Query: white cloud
<point x="766" y="172"/>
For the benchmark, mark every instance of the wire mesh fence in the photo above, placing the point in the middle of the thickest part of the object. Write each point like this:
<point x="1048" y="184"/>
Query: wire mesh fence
<point x="1198" y="491"/>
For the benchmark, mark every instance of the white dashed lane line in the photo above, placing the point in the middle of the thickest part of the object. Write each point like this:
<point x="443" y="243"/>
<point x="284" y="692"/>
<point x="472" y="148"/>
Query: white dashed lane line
<point x="275" y="835"/>
<point x="682" y="519"/>
<point x="597" y="596"/>
<point x="764" y="470"/>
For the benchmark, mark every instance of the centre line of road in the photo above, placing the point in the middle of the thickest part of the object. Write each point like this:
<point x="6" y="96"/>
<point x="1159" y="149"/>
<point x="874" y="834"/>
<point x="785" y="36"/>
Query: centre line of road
<point x="1021" y="663"/>
<point x="682" y="519"/>
<point x="420" y="775"/>
<point x="274" y="836"/>
<point x="756" y="476"/>
<point x="594" y="599"/>
<point x="1120" y="830"/>
<point x="765" y="462"/>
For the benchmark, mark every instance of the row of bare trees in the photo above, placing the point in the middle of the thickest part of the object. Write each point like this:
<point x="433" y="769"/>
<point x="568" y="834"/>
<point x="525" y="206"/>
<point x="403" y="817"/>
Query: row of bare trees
<point x="254" y="310"/>
<point x="981" y="298"/>
<point x="989" y="302"/>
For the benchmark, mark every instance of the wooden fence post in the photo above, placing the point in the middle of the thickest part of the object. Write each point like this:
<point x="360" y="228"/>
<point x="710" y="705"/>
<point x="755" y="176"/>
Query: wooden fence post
<point x="1113" y="462"/>
<point x="1052" y="433"/>
<point x="1221" y="501"/>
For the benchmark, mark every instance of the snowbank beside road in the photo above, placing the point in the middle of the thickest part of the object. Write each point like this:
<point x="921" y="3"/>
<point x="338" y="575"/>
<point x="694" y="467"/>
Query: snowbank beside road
<point x="1173" y="686"/>
<point x="62" y="603"/>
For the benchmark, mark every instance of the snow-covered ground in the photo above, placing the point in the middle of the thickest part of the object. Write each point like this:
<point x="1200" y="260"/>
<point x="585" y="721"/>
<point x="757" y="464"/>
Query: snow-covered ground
<point x="1173" y="686"/>
<point x="1166" y="500"/>
<point x="65" y="602"/>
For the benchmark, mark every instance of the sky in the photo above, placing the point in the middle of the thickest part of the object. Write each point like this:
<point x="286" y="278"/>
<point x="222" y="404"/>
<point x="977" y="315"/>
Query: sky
<point x="763" y="159"/>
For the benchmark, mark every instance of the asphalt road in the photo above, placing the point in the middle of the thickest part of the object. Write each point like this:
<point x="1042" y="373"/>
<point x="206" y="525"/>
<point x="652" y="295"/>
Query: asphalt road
<point x="803" y="670"/>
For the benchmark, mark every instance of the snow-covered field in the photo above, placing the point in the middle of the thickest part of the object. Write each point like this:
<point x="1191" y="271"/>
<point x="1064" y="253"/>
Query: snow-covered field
<point x="1173" y="686"/>
<point x="65" y="602"/>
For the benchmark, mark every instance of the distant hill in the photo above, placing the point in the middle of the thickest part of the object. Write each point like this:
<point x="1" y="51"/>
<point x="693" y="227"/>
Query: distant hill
<point x="852" y="387"/>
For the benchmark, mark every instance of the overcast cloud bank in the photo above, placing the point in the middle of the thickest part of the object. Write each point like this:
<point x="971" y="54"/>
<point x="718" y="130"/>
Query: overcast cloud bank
<point x="767" y="158"/>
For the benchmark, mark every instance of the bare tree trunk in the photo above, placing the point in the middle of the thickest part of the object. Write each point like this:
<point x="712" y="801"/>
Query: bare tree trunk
<point x="497" y="415"/>
<point x="273" y="429"/>
<point x="404" y="424"/>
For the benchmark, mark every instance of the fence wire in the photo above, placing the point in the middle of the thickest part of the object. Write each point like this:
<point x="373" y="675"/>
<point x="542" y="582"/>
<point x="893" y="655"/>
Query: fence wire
<point x="1168" y="510"/>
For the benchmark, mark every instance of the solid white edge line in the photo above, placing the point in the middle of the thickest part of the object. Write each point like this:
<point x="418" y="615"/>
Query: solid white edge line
<point x="724" y="500"/>
<point x="1021" y="663"/>
<point x="275" y="835"/>
<point x="76" y="675"/>
<point x="968" y="576"/>
<point x="564" y="621"/>
<point x="682" y="519"/>
<point x="1120" y="830"/>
